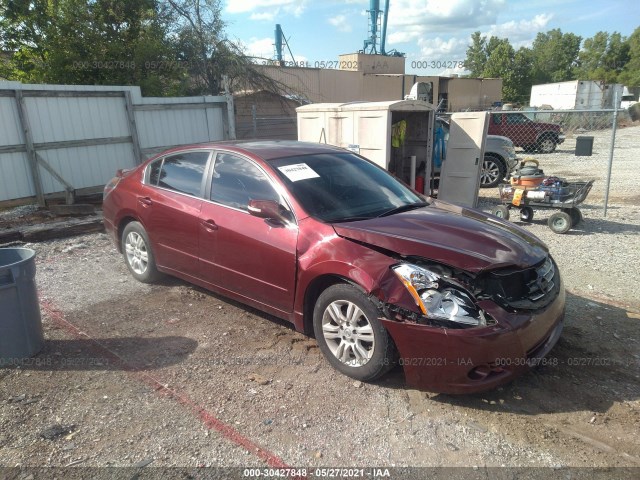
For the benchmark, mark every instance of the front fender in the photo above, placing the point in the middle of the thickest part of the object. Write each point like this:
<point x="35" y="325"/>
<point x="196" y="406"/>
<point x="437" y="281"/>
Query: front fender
<point x="341" y="258"/>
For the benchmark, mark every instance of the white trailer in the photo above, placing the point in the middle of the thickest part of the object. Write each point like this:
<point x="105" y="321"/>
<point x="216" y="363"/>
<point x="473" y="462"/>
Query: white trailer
<point x="576" y="95"/>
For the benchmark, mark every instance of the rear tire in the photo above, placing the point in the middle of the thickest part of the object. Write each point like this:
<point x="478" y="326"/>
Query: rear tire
<point x="350" y="335"/>
<point x="137" y="253"/>
<point x="560" y="222"/>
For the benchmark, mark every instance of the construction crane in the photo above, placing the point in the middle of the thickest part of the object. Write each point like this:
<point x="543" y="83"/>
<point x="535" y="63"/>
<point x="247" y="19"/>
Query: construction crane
<point x="280" y="41"/>
<point x="375" y="43"/>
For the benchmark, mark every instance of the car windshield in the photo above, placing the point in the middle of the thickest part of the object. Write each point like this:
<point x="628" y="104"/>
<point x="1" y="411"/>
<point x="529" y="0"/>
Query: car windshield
<point x="341" y="187"/>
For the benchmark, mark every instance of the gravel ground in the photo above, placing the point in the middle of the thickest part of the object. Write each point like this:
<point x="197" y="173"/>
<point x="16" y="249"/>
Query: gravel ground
<point x="171" y="375"/>
<point x="600" y="256"/>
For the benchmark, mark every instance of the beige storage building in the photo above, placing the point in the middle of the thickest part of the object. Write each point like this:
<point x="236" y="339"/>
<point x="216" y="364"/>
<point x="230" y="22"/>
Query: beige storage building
<point x="318" y="85"/>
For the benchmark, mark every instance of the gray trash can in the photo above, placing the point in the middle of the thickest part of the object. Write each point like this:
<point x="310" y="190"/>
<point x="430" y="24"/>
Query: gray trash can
<point x="584" y="146"/>
<point x="21" y="334"/>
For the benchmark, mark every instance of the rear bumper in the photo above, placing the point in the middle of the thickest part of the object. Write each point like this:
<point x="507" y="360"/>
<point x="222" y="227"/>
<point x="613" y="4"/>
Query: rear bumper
<point x="475" y="360"/>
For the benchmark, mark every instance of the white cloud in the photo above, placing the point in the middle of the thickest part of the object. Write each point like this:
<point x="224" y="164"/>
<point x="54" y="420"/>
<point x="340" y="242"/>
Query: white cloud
<point x="450" y="20"/>
<point x="520" y="31"/>
<point x="341" y="22"/>
<point x="410" y="20"/>
<point x="262" y="7"/>
<point x="260" y="47"/>
<point x="452" y="49"/>
<point x="265" y="16"/>
<point x="263" y="51"/>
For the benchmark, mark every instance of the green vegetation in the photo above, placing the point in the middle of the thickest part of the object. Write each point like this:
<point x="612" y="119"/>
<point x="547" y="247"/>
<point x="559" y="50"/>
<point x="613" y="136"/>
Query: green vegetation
<point x="179" y="47"/>
<point x="555" y="57"/>
<point x="168" y="47"/>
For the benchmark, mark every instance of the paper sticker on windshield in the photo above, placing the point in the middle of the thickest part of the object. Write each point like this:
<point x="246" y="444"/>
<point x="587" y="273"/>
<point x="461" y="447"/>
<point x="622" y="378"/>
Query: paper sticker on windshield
<point x="299" y="171"/>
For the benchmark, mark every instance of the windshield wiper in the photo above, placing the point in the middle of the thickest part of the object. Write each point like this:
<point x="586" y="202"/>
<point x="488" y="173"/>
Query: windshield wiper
<point x="403" y="208"/>
<point x="350" y="219"/>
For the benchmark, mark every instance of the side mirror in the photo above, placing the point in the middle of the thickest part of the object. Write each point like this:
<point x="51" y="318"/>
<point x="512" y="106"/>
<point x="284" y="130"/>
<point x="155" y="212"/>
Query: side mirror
<point x="268" y="209"/>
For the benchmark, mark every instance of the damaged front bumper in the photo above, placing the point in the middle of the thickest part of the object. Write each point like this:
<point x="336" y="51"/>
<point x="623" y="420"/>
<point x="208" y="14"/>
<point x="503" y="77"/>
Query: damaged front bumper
<point x="477" y="359"/>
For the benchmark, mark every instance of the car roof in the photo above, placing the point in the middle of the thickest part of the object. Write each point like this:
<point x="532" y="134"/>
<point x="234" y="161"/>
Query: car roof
<point x="266" y="149"/>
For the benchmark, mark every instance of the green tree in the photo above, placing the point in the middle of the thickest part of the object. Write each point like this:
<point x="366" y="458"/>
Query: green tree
<point x="521" y="76"/>
<point x="210" y="56"/>
<point x="499" y="61"/>
<point x="493" y="43"/>
<point x="500" y="65"/>
<point x="630" y="74"/>
<point x="592" y="54"/>
<point x="555" y="56"/>
<point x="603" y="57"/>
<point x="476" y="55"/>
<point x="104" y="42"/>
<point x="496" y="58"/>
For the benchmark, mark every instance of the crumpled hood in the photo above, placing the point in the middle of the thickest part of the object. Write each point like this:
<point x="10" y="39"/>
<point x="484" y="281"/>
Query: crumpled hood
<point x="449" y="234"/>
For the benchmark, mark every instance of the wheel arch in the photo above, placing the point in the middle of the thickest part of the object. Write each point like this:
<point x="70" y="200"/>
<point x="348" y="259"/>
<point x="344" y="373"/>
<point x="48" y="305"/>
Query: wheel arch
<point x="314" y="289"/>
<point x="122" y="223"/>
<point x="496" y="156"/>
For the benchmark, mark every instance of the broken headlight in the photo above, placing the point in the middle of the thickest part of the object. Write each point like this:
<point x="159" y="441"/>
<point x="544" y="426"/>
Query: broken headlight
<point x="439" y="298"/>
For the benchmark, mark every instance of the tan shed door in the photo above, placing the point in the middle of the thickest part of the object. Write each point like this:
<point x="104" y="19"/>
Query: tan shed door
<point x="460" y="173"/>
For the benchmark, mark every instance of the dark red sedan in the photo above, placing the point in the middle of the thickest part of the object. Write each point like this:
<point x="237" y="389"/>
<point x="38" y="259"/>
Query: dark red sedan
<point x="325" y="239"/>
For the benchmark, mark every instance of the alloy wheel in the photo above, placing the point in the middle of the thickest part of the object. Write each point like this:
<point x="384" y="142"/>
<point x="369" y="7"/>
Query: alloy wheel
<point x="137" y="255"/>
<point x="490" y="175"/>
<point x="348" y="333"/>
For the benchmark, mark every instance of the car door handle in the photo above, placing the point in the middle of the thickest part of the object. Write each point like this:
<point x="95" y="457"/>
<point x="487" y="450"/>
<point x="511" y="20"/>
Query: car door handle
<point x="209" y="225"/>
<point x="145" y="201"/>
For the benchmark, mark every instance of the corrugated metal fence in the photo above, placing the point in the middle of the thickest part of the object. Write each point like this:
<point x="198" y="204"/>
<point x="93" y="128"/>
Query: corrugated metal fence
<point x="72" y="139"/>
<point x="274" y="128"/>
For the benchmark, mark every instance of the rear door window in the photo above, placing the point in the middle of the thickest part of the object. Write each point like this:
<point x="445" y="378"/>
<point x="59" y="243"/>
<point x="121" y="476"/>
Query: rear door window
<point x="182" y="172"/>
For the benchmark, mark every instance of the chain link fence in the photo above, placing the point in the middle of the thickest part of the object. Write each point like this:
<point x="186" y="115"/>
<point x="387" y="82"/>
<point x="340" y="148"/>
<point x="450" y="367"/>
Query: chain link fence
<point x="577" y="145"/>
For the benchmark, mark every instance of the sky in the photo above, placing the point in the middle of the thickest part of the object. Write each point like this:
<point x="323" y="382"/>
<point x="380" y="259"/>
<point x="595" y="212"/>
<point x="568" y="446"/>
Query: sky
<point x="434" y="34"/>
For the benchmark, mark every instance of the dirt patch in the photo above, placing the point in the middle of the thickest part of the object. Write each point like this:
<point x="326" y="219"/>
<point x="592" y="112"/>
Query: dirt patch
<point x="171" y="375"/>
<point x="256" y="375"/>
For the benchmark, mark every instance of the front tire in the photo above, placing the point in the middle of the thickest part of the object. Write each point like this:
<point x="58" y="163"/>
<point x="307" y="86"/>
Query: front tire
<point x="350" y="335"/>
<point x="493" y="171"/>
<point x="137" y="253"/>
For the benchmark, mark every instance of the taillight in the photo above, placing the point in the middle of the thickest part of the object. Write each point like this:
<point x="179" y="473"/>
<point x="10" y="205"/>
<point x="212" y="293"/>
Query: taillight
<point x="108" y="188"/>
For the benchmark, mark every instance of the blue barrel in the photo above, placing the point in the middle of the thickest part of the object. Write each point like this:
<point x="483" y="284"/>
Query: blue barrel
<point x="21" y="334"/>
